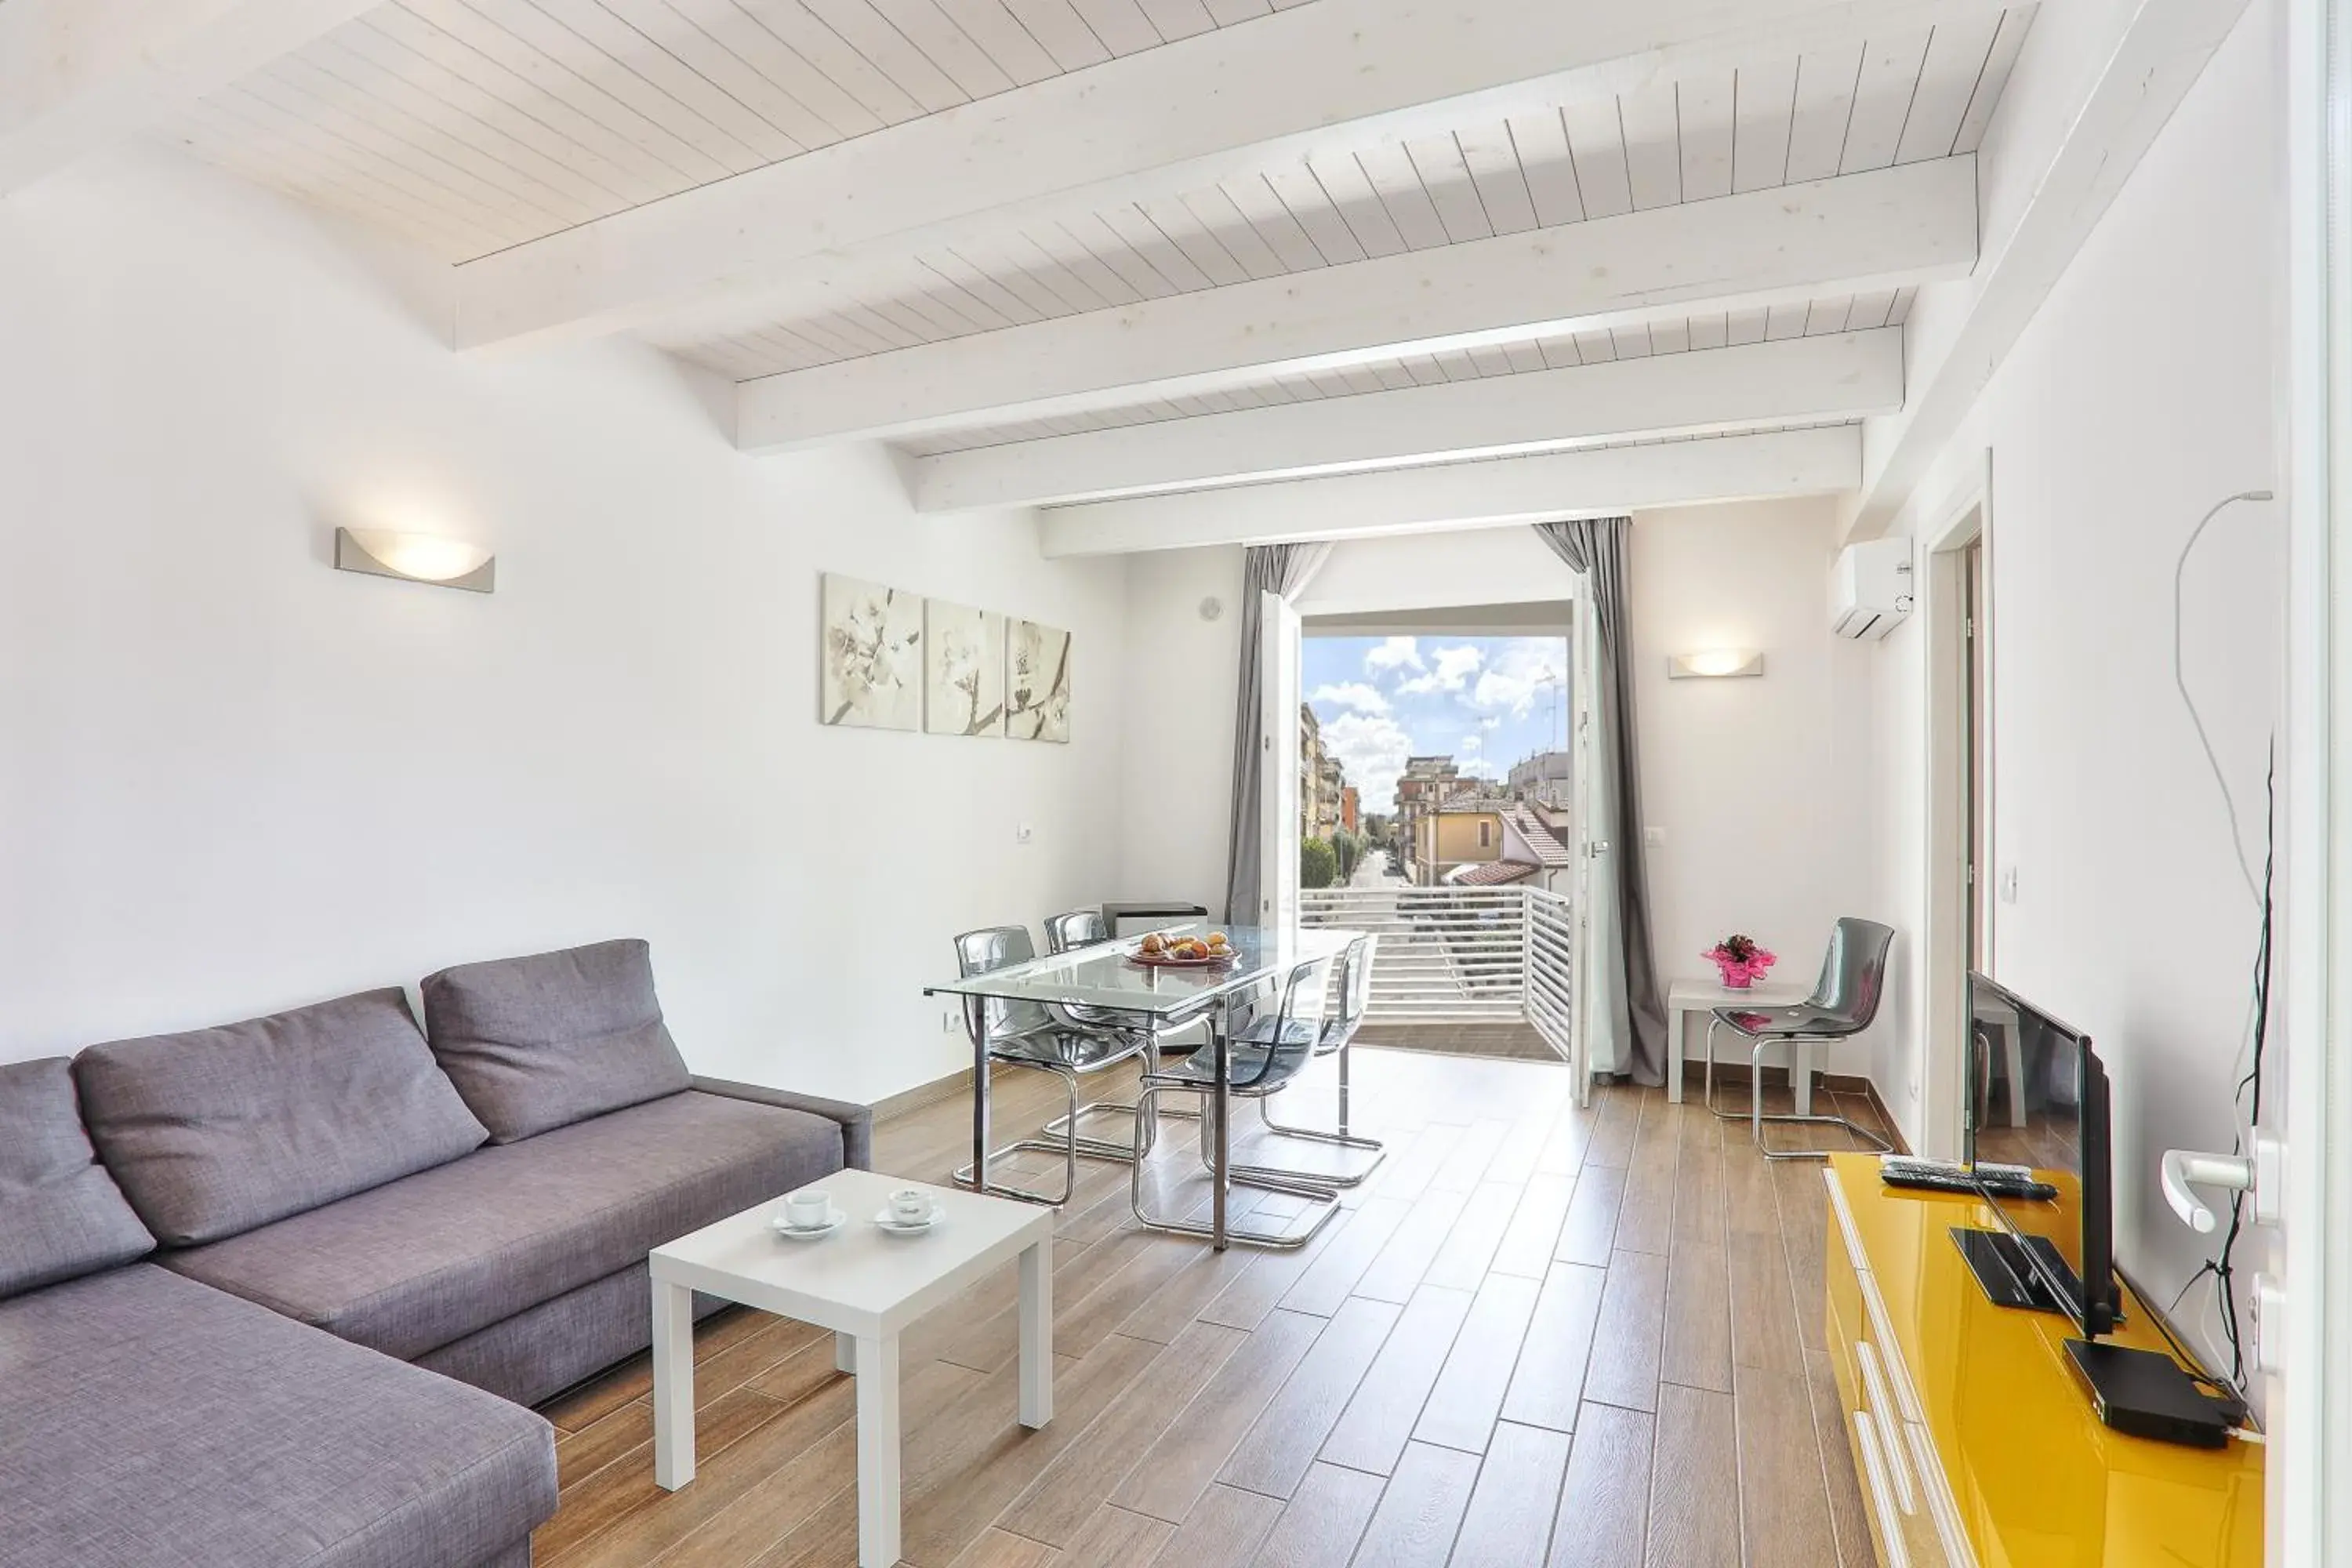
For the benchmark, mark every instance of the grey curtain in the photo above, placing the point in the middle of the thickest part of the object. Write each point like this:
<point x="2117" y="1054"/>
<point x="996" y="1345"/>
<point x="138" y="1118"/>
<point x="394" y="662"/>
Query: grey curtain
<point x="1595" y="548"/>
<point x="1281" y="569"/>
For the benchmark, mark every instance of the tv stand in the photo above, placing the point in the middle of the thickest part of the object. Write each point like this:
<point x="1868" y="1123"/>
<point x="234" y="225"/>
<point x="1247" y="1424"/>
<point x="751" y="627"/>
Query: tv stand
<point x="2002" y="1267"/>
<point x="1973" y="1433"/>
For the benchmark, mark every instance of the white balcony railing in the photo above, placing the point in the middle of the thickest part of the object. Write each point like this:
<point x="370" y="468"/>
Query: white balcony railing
<point x="1462" y="955"/>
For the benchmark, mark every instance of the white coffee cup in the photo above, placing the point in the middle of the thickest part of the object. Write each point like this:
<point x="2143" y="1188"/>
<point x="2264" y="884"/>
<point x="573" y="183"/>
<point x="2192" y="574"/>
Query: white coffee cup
<point x="810" y="1209"/>
<point x="909" y="1206"/>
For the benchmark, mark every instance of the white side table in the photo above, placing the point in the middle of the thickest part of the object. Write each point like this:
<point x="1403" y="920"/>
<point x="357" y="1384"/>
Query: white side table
<point x="864" y="1286"/>
<point x="1685" y="998"/>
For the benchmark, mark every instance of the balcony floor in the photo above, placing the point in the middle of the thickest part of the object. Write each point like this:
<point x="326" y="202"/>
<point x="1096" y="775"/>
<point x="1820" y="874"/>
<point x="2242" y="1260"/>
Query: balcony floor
<point x="1512" y="1040"/>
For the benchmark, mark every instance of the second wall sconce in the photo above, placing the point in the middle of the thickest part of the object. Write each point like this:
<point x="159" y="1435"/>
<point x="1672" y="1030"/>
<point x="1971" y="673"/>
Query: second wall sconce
<point x="416" y="558"/>
<point x="1717" y="665"/>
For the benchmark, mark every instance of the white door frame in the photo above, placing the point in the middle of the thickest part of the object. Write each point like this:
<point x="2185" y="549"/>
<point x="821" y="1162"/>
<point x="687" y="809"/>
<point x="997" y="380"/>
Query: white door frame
<point x="2308" y="1505"/>
<point x="1939" y="604"/>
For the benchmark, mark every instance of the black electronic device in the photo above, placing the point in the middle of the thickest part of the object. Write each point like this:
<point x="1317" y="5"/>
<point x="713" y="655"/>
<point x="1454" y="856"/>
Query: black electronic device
<point x="2038" y="1097"/>
<point x="2023" y="1189"/>
<point x="2145" y="1394"/>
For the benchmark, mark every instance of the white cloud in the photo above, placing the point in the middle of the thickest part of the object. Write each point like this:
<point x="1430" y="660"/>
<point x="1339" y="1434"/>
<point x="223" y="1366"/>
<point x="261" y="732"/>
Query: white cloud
<point x="1372" y="747"/>
<point x="1472" y="744"/>
<point x="1396" y="653"/>
<point x="1452" y="670"/>
<point x="1480" y="768"/>
<point x="1526" y="669"/>
<point x="1352" y="694"/>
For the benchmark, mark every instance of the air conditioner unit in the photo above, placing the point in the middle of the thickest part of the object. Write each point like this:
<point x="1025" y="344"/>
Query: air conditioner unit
<point x="1870" y="588"/>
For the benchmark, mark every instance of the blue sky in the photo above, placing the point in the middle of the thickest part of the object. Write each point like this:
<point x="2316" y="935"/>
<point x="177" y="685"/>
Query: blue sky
<point x="1484" y="701"/>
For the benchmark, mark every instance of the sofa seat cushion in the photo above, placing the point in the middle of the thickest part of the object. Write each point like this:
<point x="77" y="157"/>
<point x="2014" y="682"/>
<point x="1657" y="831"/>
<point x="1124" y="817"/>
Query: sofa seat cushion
<point x="60" y="1213"/>
<point x="148" y="1422"/>
<point x="214" y="1131"/>
<point x="408" y="1267"/>
<point x="539" y="1043"/>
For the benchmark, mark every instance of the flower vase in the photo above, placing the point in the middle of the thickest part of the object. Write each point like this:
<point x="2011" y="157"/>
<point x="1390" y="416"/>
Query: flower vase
<point x="1737" y="976"/>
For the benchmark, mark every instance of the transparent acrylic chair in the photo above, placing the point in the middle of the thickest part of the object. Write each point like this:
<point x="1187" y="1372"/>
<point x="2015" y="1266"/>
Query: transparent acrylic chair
<point x="1069" y="932"/>
<point x="1332" y="1037"/>
<point x="1844" y="1002"/>
<point x="1287" y="1021"/>
<point x="1027" y="1034"/>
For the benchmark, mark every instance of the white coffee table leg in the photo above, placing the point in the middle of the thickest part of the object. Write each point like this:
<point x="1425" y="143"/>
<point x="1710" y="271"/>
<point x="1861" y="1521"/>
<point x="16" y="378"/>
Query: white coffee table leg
<point x="673" y="1385"/>
<point x="1037" y="1334"/>
<point x="877" y="1452"/>
<point x="845" y="1353"/>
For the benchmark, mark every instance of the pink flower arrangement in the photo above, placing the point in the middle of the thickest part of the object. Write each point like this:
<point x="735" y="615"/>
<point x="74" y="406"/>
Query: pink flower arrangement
<point x="1742" y="959"/>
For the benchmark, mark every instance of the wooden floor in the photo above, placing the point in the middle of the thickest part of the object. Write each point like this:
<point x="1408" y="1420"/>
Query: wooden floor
<point x="1540" y="1337"/>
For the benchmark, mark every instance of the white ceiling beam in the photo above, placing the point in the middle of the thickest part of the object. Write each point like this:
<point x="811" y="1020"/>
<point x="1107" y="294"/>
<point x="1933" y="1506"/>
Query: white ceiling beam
<point x="76" y="76"/>
<point x="1799" y="381"/>
<point x="1851" y="235"/>
<point x="1338" y="74"/>
<point x="1487" y="494"/>
<point x="2090" y="92"/>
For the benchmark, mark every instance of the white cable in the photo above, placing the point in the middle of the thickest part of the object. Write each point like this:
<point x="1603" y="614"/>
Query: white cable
<point x="2180" y="679"/>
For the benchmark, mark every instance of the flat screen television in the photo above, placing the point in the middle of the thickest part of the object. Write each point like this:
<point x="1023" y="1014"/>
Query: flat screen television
<point x="2038" y="1097"/>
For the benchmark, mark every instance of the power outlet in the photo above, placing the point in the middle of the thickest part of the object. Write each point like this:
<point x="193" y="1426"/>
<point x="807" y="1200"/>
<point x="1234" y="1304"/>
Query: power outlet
<point x="948" y="1022"/>
<point x="1023" y="834"/>
<point x="2008" y="884"/>
<point x="1654" y="838"/>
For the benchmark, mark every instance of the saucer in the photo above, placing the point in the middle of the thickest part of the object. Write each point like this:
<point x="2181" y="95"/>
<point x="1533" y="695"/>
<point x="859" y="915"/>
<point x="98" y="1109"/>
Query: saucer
<point x="785" y="1226"/>
<point x="891" y="1223"/>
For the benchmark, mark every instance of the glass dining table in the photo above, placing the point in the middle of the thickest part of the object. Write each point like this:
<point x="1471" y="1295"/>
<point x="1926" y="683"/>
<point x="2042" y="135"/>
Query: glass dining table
<point x="1107" y="976"/>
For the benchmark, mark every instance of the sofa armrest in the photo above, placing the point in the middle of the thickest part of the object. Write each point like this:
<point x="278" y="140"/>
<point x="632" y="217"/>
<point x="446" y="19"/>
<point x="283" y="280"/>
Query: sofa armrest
<point x="856" y="1120"/>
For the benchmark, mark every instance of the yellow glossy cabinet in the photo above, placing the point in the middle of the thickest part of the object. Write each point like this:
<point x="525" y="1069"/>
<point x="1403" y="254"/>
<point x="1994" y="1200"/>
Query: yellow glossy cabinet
<point x="1975" y="1445"/>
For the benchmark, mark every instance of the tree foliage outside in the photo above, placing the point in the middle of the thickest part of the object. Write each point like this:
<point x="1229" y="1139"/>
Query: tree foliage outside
<point x="1349" y="850"/>
<point x="1318" y="865"/>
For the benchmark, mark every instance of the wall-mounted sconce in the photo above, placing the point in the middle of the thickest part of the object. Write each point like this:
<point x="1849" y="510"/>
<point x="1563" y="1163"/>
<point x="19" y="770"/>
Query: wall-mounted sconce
<point x="1715" y="666"/>
<point x="416" y="558"/>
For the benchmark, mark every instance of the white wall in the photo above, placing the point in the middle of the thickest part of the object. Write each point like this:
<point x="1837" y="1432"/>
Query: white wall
<point x="1761" y="787"/>
<point x="233" y="779"/>
<point x="2146" y="389"/>
<point x="1176" y="769"/>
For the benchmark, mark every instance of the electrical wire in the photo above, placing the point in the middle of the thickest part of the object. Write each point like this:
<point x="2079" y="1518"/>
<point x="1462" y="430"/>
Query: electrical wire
<point x="2180" y="679"/>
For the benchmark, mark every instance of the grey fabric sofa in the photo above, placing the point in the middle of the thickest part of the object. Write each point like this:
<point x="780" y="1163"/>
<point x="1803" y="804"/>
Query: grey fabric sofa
<point x="218" y="1250"/>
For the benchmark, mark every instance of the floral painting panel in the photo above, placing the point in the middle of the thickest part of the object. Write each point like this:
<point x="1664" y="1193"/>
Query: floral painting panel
<point x="965" y="670"/>
<point x="870" y="669"/>
<point x="1037" y="683"/>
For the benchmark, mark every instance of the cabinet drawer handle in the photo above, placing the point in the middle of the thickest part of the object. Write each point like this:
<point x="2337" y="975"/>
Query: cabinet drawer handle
<point x="1882" y="1327"/>
<point x="1873" y="1474"/>
<point x="1890" y="1422"/>
<point x="1853" y="1252"/>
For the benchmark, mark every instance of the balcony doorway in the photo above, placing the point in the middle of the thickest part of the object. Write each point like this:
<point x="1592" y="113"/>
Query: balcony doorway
<point x="1437" y="806"/>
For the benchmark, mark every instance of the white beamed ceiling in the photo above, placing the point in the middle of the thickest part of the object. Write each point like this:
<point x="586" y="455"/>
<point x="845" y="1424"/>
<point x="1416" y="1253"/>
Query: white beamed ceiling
<point x="1922" y="95"/>
<point x="473" y="125"/>
<point x="1715" y="329"/>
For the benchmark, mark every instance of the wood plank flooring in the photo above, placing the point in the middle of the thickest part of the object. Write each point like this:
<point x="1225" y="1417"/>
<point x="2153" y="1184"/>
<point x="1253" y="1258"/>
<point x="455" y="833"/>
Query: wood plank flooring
<point x="1540" y="1337"/>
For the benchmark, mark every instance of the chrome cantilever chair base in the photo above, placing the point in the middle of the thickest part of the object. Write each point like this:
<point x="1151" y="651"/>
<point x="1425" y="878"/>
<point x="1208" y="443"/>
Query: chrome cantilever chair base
<point x="1756" y="1116"/>
<point x="1068" y="1148"/>
<point x="1324" y="1197"/>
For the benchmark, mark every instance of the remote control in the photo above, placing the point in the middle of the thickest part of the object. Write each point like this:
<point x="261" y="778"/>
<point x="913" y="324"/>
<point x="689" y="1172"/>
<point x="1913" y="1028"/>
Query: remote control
<point x="1954" y="1180"/>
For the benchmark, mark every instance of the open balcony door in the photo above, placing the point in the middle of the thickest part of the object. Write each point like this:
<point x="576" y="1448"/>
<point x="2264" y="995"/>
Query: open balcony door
<point x="1278" y="669"/>
<point x="1584" y="679"/>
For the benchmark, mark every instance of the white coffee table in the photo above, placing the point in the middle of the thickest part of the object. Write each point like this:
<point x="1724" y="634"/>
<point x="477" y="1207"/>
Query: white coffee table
<point x="864" y="1286"/>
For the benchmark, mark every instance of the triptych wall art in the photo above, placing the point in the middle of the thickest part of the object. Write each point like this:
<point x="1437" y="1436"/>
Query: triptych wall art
<point x="895" y="660"/>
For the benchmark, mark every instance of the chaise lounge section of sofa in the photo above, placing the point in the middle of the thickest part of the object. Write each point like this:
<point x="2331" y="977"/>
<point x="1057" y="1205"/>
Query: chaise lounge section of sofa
<point x="325" y="1196"/>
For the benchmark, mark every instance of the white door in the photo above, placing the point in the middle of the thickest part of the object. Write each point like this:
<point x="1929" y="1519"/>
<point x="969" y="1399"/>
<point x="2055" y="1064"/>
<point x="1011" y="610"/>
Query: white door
<point x="1278" y="661"/>
<point x="1584" y="662"/>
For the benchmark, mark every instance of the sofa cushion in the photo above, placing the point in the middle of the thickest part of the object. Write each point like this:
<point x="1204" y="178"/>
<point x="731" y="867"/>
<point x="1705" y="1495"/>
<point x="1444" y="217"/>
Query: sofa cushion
<point x="60" y="1213"/>
<point x="214" y="1132"/>
<point x="147" y="1422"/>
<point x="410" y="1266"/>
<point x="542" y="1042"/>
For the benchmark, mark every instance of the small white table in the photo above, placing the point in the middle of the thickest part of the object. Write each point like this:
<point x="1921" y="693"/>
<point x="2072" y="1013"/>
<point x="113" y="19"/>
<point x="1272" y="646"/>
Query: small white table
<point x="864" y="1286"/>
<point x="1685" y="997"/>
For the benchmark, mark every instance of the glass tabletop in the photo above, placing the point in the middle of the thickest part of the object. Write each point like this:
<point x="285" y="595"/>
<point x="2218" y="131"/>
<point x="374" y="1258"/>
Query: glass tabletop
<point x="1108" y="975"/>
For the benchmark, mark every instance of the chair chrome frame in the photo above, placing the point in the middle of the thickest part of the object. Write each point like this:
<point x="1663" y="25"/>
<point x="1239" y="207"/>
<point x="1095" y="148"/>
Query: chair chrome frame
<point x="1336" y="1036"/>
<point x="1853" y="973"/>
<point x="1303" y="984"/>
<point x="999" y="947"/>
